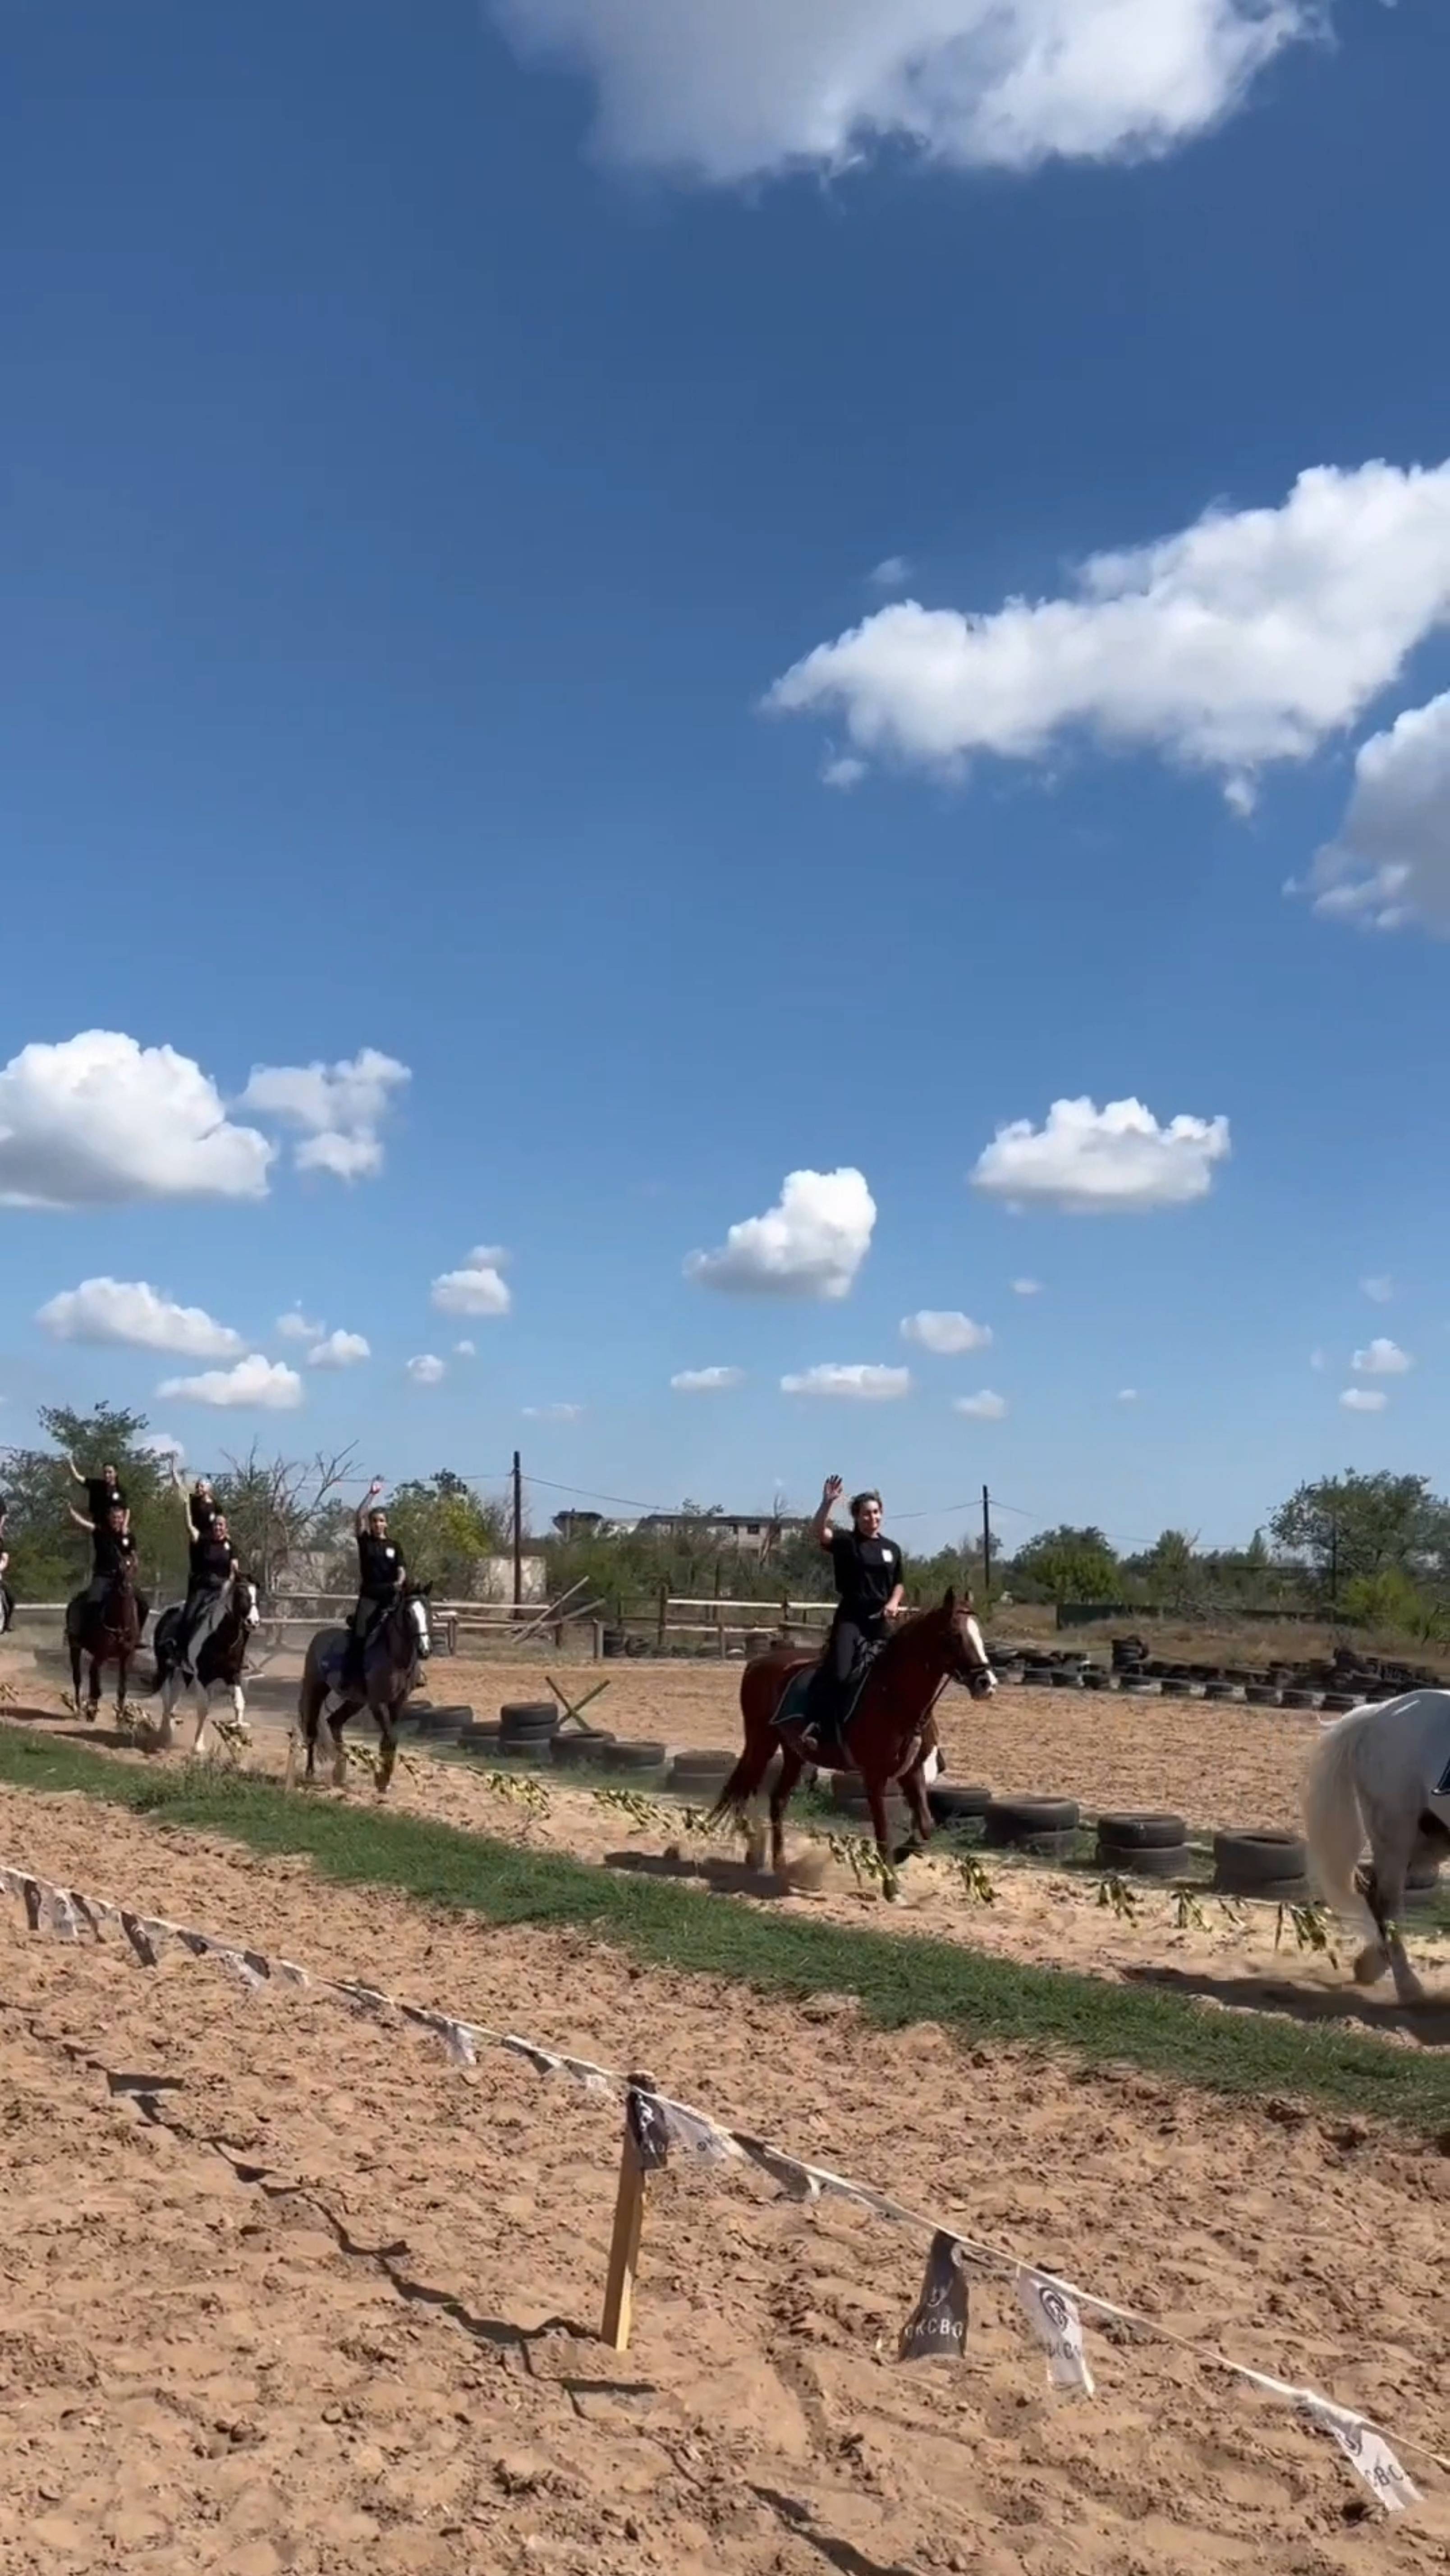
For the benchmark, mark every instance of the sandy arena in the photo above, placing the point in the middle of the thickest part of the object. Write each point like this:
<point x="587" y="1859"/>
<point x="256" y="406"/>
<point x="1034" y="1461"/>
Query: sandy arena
<point x="323" y="2303"/>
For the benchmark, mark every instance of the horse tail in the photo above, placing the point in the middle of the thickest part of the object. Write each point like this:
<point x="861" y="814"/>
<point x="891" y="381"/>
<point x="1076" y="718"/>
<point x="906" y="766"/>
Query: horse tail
<point x="757" y="1707"/>
<point x="1333" y="1821"/>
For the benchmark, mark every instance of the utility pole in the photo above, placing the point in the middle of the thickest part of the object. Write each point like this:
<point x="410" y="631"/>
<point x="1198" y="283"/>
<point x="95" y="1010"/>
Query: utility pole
<point x="986" y="1549"/>
<point x="518" y="1533"/>
<point x="1334" y="1565"/>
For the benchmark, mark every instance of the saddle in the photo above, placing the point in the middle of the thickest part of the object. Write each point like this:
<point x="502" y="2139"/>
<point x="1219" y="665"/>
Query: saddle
<point x="795" y="1703"/>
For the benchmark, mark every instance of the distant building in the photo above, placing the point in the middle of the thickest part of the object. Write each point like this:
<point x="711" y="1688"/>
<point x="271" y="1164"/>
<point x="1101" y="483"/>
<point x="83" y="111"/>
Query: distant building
<point x="757" y="1534"/>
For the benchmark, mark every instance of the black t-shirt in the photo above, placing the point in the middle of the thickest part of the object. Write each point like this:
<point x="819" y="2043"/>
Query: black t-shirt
<point x="867" y="1572"/>
<point x="212" y="1559"/>
<point x="379" y="1565"/>
<point x="102" y="1498"/>
<point x="111" y="1549"/>
<point x="202" y="1516"/>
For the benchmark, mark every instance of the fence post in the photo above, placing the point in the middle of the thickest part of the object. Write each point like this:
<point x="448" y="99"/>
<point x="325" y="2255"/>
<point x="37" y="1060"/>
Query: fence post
<point x="664" y="1616"/>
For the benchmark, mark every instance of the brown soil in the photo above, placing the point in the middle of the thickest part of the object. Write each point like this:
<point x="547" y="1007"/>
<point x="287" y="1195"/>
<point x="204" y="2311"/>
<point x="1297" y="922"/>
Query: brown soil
<point x="327" y="2304"/>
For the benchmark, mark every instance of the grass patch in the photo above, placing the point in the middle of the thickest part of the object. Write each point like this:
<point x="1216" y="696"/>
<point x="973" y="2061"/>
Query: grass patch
<point x="898" y="1979"/>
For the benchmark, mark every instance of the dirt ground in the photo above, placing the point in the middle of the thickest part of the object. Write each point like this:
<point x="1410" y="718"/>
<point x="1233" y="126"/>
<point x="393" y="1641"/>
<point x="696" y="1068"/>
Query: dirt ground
<point x="310" y="2299"/>
<point x="1219" y="1764"/>
<point x="1110" y="1753"/>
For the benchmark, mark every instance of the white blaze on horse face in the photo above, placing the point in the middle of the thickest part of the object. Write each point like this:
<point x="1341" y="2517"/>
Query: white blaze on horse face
<point x="253" y="1613"/>
<point x="977" y="1642"/>
<point x="418" y="1611"/>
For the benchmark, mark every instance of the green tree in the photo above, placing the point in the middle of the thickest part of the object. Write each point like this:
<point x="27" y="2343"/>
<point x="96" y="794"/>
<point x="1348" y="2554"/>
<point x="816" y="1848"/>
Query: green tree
<point x="1344" y="1527"/>
<point x="443" y="1527"/>
<point x="1066" y="1564"/>
<point x="1173" y="1575"/>
<point x="49" y="1556"/>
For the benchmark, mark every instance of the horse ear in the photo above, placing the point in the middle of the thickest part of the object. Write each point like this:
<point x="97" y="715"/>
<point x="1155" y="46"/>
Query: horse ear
<point x="950" y="1601"/>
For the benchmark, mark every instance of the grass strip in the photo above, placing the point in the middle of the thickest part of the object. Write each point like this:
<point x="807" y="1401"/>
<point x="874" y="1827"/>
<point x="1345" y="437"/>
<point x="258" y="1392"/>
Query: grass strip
<point x="898" y="1979"/>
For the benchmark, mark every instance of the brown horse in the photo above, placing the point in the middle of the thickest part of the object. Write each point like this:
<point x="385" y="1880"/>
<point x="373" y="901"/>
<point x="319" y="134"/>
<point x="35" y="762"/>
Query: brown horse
<point x="393" y="1663"/>
<point x="887" y="1736"/>
<point x="108" y="1631"/>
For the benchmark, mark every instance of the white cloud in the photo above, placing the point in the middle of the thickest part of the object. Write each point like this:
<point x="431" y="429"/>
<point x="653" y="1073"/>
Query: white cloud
<point x="865" y="1385"/>
<point x="810" y="1244"/>
<point x="984" y="1407"/>
<point x="138" y="1317"/>
<point x="1383" y="1358"/>
<point x="890" y="573"/>
<point x="1127" y="1395"/>
<point x="269" y="1386"/>
<point x="98" y="1120"/>
<point x="1319" y="1359"/>
<point x="160" y="1444"/>
<point x="427" y="1369"/>
<point x="1107" y="1161"/>
<point x="1026" y="1287"/>
<point x="946" y="1333"/>
<point x="1380" y="1291"/>
<point x="707" y="1381"/>
<point x="478" y="1288"/>
<point x="339" y="1351"/>
<point x="553" y="1412"/>
<point x="297" y="1327"/>
<point x="466" y="1350"/>
<point x="1390" y="866"/>
<point x="845" y="772"/>
<point x="1253" y="635"/>
<point x="1364" y="1399"/>
<point x="339" y="1108"/>
<point x="728" y="90"/>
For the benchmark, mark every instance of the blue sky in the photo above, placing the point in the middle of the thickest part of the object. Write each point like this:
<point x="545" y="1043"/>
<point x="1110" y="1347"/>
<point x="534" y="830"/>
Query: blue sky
<point x="423" y="460"/>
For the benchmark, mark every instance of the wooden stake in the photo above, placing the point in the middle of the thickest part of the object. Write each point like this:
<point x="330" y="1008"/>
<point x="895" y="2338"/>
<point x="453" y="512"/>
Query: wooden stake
<point x="624" y="2241"/>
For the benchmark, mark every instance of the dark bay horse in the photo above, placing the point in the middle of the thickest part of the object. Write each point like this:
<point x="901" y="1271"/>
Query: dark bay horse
<point x="108" y="1631"/>
<point x="218" y="1666"/>
<point x="888" y="1736"/>
<point x="397" y="1651"/>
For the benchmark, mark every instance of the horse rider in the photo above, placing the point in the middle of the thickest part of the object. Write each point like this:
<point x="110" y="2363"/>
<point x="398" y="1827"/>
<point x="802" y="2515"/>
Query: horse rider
<point x="869" y="1595"/>
<point x="113" y="1552"/>
<point x="211" y="1567"/>
<point x="381" y="1576"/>
<point x="103" y="1494"/>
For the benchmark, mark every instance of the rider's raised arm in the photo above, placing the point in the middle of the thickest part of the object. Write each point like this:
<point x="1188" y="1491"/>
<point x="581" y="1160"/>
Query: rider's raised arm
<point x="80" y="1519"/>
<point x="75" y="1471"/>
<point x="360" y="1516"/>
<point x="821" y="1530"/>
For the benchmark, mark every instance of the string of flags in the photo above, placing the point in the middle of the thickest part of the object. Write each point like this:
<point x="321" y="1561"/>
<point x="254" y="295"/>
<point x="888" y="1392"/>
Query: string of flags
<point x="662" y="2130"/>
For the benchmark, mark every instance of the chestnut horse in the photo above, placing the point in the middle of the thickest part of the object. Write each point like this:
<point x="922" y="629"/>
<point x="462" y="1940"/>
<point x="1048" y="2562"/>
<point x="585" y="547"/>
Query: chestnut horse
<point x="887" y="1735"/>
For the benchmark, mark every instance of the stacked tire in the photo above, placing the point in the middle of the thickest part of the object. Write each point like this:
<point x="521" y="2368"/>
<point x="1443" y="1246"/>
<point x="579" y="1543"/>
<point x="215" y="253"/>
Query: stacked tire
<point x="480" y="1737"/>
<point x="642" y="1765"/>
<point x="1045" y="1827"/>
<point x="1148" y="1845"/>
<point x="955" y="1808"/>
<point x="443" y="1725"/>
<point x="527" y="1728"/>
<point x="591" y="1752"/>
<point x="1268" y="1865"/>
<point x="1422" y="1885"/>
<point x="698" y="1775"/>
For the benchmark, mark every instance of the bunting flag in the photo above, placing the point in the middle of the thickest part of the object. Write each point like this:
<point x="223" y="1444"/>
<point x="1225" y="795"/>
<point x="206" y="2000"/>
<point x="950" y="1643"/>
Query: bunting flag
<point x="661" y="2128"/>
<point x="936" y="2329"/>
<point x="1055" y="2321"/>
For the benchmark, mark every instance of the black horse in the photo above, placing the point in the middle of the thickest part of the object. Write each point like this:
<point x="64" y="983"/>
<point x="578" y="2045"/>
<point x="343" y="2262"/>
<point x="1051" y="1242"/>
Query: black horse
<point x="105" y="1626"/>
<point x="393" y="1663"/>
<point x="219" y="1665"/>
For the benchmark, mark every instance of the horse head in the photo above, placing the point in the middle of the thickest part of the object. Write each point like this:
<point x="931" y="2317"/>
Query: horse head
<point x="967" y="1658"/>
<point x="244" y="1601"/>
<point x="416" y="1612"/>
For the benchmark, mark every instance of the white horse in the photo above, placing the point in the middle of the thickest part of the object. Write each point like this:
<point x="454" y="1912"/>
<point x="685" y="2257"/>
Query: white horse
<point x="1380" y="1775"/>
<point x="219" y="1665"/>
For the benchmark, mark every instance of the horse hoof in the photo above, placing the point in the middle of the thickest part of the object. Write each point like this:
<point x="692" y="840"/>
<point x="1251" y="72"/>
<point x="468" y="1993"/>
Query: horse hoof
<point x="1370" y="1966"/>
